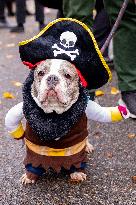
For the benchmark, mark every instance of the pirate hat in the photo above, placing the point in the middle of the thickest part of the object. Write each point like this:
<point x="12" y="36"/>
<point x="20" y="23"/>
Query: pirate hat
<point x="71" y="40"/>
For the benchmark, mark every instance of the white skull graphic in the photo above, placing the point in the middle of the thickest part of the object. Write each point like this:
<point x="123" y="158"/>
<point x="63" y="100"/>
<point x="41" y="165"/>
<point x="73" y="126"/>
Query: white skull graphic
<point x="68" y="39"/>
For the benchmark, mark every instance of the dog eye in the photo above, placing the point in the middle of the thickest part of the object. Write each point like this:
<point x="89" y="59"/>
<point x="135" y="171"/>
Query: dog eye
<point x="67" y="76"/>
<point x="40" y="73"/>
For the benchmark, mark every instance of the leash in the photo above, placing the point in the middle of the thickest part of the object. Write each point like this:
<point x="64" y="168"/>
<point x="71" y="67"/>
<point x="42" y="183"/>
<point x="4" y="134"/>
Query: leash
<point x="115" y="26"/>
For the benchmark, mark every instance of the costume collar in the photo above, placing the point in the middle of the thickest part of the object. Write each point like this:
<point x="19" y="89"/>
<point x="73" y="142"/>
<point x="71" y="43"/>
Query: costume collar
<point x="51" y="126"/>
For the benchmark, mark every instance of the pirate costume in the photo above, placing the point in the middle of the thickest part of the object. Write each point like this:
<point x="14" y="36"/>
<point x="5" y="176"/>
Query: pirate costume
<point x="59" y="140"/>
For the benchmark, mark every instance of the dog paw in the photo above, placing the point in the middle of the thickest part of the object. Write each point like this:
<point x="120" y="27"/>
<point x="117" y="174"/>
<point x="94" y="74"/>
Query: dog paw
<point x="78" y="176"/>
<point x="89" y="148"/>
<point x="25" y="180"/>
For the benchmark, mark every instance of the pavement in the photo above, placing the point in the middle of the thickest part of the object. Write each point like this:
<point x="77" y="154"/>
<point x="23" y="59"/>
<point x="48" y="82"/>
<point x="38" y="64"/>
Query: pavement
<point x="110" y="168"/>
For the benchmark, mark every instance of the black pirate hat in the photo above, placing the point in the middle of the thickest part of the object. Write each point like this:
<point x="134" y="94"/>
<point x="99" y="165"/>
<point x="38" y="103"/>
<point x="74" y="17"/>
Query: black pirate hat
<point x="71" y="40"/>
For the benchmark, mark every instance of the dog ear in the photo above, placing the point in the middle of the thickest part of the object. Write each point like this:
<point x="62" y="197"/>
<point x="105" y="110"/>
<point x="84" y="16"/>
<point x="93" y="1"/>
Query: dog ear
<point x="82" y="79"/>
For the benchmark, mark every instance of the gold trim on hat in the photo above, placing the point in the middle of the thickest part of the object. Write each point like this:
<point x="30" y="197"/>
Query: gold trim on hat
<point x="85" y="27"/>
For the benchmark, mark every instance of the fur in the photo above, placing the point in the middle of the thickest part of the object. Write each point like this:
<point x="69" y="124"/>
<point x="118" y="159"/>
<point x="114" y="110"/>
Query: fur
<point x="59" y="97"/>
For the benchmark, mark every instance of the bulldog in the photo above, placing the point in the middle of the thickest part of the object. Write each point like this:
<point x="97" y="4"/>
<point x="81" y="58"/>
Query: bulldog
<point x="55" y="89"/>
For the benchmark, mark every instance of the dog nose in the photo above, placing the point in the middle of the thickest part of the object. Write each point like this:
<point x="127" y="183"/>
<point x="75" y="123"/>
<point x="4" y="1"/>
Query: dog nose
<point x="52" y="80"/>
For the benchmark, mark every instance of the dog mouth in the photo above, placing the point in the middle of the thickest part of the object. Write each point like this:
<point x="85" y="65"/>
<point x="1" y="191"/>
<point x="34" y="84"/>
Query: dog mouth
<point x="52" y="96"/>
<point x="51" y="93"/>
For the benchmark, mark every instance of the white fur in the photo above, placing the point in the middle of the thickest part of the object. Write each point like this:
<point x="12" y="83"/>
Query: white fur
<point x="66" y="94"/>
<point x="54" y="70"/>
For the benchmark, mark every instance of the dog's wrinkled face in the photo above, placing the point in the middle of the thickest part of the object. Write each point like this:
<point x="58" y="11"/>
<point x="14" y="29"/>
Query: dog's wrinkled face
<point x="55" y="86"/>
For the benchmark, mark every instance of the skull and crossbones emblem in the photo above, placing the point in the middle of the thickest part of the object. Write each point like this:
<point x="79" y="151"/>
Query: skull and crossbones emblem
<point x="67" y="40"/>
